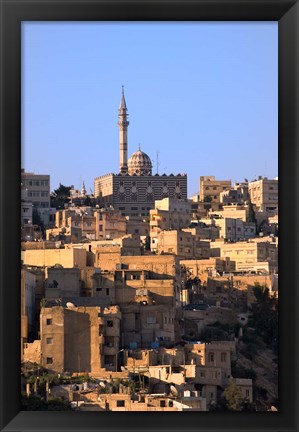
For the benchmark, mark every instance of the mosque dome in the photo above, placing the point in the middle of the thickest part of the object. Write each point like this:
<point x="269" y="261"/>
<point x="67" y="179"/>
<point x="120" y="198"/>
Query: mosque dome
<point x="140" y="164"/>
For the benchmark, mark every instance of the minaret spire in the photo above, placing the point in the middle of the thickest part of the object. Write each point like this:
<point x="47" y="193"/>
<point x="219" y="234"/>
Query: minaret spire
<point x="123" y="133"/>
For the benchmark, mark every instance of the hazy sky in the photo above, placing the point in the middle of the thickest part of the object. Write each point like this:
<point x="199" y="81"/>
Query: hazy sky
<point x="203" y="94"/>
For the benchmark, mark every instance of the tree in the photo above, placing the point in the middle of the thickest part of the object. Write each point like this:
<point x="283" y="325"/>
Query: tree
<point x="233" y="397"/>
<point x="37" y="220"/>
<point x="265" y="316"/>
<point x="60" y="196"/>
<point x="251" y="213"/>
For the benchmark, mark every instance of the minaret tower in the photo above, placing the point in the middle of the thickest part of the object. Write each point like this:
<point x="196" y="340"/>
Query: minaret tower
<point x="123" y="134"/>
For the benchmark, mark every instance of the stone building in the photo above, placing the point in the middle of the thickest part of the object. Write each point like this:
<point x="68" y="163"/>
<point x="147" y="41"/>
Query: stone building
<point x="79" y="339"/>
<point x="36" y="192"/>
<point x="168" y="214"/>
<point x="110" y="224"/>
<point x="183" y="244"/>
<point x="210" y="189"/>
<point x="73" y="257"/>
<point x="248" y="256"/>
<point x="264" y="194"/>
<point x="237" y="195"/>
<point x="134" y="190"/>
<point x="27" y="305"/>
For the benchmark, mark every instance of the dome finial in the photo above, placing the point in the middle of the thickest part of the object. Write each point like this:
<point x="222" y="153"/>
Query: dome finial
<point x="139" y="148"/>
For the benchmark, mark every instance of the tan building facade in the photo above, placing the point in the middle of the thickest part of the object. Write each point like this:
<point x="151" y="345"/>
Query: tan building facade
<point x="183" y="244"/>
<point x="38" y="188"/>
<point x="210" y="189"/>
<point x="79" y="339"/>
<point x="264" y="194"/>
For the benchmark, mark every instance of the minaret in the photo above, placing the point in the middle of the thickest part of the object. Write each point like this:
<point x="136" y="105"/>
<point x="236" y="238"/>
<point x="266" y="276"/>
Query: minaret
<point x="83" y="190"/>
<point x="123" y="134"/>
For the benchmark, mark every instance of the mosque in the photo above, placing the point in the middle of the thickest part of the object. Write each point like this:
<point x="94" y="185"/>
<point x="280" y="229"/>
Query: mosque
<point x="134" y="190"/>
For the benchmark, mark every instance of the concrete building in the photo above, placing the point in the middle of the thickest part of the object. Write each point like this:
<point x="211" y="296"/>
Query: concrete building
<point x="36" y="192"/>
<point x="110" y="224"/>
<point x="183" y="244"/>
<point x="68" y="258"/>
<point x="235" y="229"/>
<point x="230" y="211"/>
<point x="210" y="189"/>
<point x="237" y="195"/>
<point x="203" y="268"/>
<point x="247" y="255"/>
<point x="169" y="214"/>
<point x="38" y="188"/>
<point x="134" y="190"/>
<point x="27" y="305"/>
<point x="77" y="339"/>
<point x="264" y="194"/>
<point x="144" y="326"/>
<point x="63" y="283"/>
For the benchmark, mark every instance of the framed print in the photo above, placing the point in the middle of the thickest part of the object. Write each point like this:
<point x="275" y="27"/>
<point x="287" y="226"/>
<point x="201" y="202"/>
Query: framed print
<point x="141" y="294"/>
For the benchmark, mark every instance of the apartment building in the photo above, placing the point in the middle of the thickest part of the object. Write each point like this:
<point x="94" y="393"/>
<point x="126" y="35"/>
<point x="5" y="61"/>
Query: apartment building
<point x="264" y="194"/>
<point x="37" y="187"/>
<point x="169" y="214"/>
<point x="247" y="255"/>
<point x="210" y="189"/>
<point x="183" y="244"/>
<point x="77" y="339"/>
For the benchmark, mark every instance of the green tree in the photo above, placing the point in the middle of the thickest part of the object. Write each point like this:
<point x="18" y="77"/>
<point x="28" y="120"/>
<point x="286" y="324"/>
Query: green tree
<point x="233" y="397"/>
<point x="37" y="220"/>
<point x="265" y="316"/>
<point x="251" y="213"/>
<point x="60" y="196"/>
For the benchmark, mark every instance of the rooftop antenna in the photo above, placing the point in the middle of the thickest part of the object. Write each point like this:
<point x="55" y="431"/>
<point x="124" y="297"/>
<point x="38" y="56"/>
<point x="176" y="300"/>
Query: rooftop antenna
<point x="158" y="161"/>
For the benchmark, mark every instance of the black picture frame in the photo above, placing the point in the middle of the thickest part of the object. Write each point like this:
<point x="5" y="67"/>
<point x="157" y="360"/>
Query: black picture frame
<point x="13" y="12"/>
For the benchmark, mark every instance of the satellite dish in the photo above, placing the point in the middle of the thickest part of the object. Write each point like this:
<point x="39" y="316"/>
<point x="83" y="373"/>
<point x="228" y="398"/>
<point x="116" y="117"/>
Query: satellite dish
<point x="174" y="390"/>
<point x="70" y="305"/>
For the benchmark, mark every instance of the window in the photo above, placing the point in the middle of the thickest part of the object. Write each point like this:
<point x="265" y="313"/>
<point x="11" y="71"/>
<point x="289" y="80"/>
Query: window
<point x="110" y="323"/>
<point x="49" y="340"/>
<point x="151" y="320"/>
<point x="247" y="393"/>
<point x="162" y="403"/>
<point x="107" y="291"/>
<point x="211" y="357"/>
<point x="49" y="360"/>
<point x="49" y="321"/>
<point x="170" y="404"/>
<point x="223" y="357"/>
<point x="120" y="403"/>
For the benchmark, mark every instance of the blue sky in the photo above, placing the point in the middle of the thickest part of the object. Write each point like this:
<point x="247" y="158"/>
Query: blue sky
<point x="203" y="94"/>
